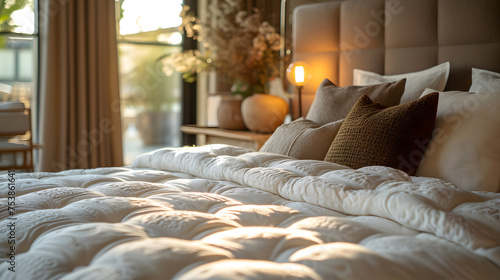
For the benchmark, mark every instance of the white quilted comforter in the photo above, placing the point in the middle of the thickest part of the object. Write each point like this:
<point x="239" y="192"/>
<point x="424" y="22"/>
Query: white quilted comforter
<point x="221" y="212"/>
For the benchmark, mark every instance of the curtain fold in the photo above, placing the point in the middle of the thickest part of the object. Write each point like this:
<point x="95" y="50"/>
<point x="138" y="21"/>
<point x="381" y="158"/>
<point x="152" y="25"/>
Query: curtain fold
<point x="79" y="89"/>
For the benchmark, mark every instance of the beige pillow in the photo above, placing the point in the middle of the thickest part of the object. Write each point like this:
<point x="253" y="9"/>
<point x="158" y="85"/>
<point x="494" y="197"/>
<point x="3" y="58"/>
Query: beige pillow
<point x="435" y="77"/>
<point x="302" y="139"/>
<point x="465" y="148"/>
<point x="375" y="135"/>
<point x="333" y="103"/>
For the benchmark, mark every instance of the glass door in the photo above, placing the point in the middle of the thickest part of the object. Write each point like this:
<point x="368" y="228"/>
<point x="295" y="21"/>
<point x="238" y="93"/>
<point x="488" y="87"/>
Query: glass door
<point x="150" y="100"/>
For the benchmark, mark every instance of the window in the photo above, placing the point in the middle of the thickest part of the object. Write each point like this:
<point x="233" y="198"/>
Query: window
<point x="18" y="48"/>
<point x="151" y="106"/>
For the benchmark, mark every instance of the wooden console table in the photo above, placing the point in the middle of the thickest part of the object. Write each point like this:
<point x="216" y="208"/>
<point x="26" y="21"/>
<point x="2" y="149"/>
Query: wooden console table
<point x="241" y="138"/>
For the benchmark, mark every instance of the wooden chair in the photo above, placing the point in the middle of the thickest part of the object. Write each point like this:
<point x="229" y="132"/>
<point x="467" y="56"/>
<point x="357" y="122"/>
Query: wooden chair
<point x="16" y="144"/>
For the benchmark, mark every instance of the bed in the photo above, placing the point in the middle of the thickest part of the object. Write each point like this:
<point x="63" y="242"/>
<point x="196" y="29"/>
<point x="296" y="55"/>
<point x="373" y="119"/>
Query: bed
<point x="224" y="212"/>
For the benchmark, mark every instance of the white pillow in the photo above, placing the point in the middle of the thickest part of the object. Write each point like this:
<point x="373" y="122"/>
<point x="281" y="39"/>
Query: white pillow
<point x="465" y="146"/>
<point x="484" y="81"/>
<point x="434" y="77"/>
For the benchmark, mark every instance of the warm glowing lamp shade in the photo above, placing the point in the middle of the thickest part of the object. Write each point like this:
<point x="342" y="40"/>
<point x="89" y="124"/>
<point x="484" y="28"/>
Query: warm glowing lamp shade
<point x="298" y="74"/>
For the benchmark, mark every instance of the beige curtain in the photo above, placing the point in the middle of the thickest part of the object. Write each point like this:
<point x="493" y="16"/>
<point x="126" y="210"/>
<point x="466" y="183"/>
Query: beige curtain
<point x="79" y="90"/>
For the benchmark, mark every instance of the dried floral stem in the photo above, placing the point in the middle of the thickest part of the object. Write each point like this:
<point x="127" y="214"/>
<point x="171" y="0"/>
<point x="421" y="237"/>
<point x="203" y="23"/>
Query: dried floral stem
<point x="238" y="43"/>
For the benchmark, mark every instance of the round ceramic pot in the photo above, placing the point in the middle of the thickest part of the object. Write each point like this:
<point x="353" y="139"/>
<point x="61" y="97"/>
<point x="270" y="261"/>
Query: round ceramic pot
<point x="264" y="112"/>
<point x="229" y="114"/>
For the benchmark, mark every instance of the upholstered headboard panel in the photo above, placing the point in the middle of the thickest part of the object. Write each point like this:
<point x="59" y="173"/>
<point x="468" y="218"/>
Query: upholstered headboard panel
<point x="396" y="36"/>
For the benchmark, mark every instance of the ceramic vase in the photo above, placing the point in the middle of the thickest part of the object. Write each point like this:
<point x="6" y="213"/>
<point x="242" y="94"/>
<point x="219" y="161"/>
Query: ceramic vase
<point x="264" y="112"/>
<point x="229" y="114"/>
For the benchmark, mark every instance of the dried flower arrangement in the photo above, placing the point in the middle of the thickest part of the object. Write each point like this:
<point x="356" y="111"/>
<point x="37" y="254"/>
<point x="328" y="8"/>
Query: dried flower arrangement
<point x="236" y="43"/>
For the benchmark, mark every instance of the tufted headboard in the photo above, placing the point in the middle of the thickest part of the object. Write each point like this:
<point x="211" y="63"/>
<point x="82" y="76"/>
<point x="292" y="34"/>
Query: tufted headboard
<point x="395" y="36"/>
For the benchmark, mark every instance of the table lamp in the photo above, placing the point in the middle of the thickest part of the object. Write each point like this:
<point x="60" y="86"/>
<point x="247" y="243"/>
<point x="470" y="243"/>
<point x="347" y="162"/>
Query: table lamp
<point x="298" y="74"/>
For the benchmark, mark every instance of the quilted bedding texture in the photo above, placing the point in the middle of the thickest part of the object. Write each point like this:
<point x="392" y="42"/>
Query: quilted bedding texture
<point x="221" y="212"/>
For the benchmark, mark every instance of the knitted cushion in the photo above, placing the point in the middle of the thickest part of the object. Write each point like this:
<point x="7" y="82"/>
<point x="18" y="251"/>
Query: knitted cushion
<point x="375" y="135"/>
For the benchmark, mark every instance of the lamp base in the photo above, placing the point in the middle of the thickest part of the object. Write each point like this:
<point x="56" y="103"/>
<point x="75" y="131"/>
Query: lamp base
<point x="299" y="90"/>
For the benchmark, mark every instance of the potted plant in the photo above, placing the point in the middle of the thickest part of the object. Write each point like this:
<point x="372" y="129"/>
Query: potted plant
<point x="237" y="44"/>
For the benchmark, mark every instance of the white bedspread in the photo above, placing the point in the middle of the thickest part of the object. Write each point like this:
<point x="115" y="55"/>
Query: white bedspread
<point x="221" y="212"/>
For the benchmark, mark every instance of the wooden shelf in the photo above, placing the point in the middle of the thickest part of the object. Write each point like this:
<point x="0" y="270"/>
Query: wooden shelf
<point x="242" y="138"/>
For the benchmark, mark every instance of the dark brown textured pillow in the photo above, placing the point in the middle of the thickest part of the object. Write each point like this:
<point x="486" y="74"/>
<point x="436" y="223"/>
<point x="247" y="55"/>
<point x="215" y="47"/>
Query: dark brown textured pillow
<point x="332" y="103"/>
<point x="375" y="135"/>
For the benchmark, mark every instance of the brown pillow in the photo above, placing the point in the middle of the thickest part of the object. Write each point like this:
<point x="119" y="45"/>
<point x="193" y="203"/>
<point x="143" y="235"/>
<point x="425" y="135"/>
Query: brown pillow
<point x="333" y="103"/>
<point x="375" y="135"/>
<point x="302" y="139"/>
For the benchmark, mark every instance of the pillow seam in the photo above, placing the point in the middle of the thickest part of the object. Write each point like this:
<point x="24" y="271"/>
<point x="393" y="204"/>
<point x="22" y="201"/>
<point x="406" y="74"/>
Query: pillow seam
<point x="295" y="140"/>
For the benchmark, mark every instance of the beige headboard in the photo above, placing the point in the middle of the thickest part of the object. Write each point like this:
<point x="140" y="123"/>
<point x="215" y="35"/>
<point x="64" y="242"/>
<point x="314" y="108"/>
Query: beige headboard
<point x="396" y="36"/>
